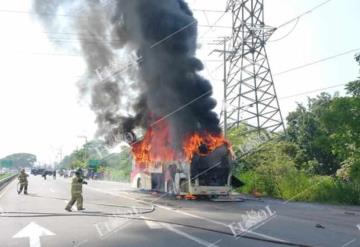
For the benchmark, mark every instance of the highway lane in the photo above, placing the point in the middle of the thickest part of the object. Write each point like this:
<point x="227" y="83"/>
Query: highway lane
<point x="89" y="228"/>
<point x="117" y="215"/>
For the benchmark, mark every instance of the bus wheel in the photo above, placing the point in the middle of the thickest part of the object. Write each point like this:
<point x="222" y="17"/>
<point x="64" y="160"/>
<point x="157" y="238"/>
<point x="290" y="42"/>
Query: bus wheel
<point x="138" y="183"/>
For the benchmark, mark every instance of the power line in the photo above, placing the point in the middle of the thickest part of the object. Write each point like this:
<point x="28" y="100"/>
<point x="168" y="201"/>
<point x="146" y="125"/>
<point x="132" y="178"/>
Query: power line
<point x="305" y="13"/>
<point x="91" y="39"/>
<point x="312" y="91"/>
<point x="207" y="10"/>
<point x="304" y="65"/>
<point x="216" y="26"/>
<point x="213" y="25"/>
<point x="14" y="11"/>
<point x="316" y="62"/>
<point x="286" y="35"/>
<point x="297" y="19"/>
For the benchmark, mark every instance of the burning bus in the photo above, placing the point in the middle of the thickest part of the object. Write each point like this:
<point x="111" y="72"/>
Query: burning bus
<point x="202" y="167"/>
<point x="142" y="68"/>
<point x="143" y="74"/>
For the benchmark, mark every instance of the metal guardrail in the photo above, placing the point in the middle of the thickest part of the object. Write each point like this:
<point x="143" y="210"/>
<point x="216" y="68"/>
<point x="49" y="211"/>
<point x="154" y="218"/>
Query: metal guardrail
<point x="6" y="181"/>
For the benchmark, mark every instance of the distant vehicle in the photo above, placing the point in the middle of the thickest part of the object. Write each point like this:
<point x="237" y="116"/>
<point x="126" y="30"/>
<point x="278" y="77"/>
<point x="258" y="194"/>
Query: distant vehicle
<point x="37" y="171"/>
<point x="40" y="171"/>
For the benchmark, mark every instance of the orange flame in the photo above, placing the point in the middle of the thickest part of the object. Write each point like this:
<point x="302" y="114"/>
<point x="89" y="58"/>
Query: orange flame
<point x="156" y="145"/>
<point x="203" y="144"/>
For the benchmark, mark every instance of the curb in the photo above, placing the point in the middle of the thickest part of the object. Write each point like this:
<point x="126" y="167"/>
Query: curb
<point x="4" y="182"/>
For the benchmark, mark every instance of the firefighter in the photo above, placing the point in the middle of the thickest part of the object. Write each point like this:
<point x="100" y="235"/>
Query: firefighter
<point x="76" y="191"/>
<point x="23" y="181"/>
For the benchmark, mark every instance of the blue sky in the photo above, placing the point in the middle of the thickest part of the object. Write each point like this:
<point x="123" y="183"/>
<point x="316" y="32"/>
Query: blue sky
<point x="39" y="103"/>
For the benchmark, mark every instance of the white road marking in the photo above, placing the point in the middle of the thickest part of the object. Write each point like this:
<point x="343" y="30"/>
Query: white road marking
<point x="152" y="224"/>
<point x="358" y="226"/>
<point x="348" y="243"/>
<point x="182" y="212"/>
<point x="217" y="222"/>
<point x="33" y="231"/>
<point x="188" y="236"/>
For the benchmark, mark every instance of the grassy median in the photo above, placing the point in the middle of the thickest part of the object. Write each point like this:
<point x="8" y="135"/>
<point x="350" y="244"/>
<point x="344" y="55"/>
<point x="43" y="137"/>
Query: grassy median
<point x="4" y="175"/>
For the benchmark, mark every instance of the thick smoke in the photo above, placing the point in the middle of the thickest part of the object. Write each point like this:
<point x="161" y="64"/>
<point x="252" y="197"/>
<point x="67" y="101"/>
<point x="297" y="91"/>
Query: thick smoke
<point x="153" y="44"/>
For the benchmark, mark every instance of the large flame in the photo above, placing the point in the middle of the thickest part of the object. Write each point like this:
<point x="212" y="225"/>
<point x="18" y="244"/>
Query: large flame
<point x="202" y="144"/>
<point x="156" y="145"/>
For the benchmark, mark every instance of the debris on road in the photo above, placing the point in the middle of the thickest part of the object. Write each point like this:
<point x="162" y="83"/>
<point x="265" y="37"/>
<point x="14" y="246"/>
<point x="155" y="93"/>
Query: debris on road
<point x="320" y="226"/>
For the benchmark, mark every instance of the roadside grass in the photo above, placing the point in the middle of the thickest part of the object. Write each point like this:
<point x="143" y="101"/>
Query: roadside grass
<point x="4" y="175"/>
<point x="296" y="185"/>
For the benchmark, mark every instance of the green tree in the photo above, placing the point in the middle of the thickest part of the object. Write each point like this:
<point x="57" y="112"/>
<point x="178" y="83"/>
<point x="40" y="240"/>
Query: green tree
<point x="19" y="160"/>
<point x="93" y="150"/>
<point x="306" y="130"/>
<point x="342" y="120"/>
<point x="95" y="155"/>
<point x="353" y="88"/>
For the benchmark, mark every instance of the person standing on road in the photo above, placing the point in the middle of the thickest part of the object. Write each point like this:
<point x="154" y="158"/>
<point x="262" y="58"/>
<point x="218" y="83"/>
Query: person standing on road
<point x="76" y="192"/>
<point x="23" y="181"/>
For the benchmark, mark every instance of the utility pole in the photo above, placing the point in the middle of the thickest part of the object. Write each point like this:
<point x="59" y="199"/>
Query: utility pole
<point x="250" y="97"/>
<point x="224" y="51"/>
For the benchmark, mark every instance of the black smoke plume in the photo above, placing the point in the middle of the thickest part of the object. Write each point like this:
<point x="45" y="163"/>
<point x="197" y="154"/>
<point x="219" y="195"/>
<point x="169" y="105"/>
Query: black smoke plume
<point x="153" y="44"/>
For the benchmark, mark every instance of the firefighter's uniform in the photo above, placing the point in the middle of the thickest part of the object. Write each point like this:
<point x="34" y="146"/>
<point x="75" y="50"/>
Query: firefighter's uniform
<point x="23" y="182"/>
<point x="76" y="192"/>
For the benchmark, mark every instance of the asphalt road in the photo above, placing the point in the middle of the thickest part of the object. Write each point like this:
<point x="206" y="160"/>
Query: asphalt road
<point x="117" y="215"/>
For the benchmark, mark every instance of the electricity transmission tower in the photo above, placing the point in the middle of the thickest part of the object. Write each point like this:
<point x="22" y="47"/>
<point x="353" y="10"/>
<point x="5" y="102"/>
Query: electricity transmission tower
<point x="250" y="95"/>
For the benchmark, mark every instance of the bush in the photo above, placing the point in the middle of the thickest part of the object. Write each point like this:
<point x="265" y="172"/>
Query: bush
<point x="119" y="175"/>
<point x="337" y="192"/>
<point x="296" y="185"/>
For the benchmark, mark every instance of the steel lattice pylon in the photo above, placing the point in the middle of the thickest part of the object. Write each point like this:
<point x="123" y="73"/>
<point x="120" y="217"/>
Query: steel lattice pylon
<point x="250" y="95"/>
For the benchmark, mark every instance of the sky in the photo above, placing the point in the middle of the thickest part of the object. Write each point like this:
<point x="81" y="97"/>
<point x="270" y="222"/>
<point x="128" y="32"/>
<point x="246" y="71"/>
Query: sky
<point x="41" y="112"/>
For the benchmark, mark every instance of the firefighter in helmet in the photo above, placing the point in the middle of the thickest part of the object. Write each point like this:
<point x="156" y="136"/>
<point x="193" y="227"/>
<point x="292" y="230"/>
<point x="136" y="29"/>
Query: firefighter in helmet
<point x="23" y="181"/>
<point x="76" y="191"/>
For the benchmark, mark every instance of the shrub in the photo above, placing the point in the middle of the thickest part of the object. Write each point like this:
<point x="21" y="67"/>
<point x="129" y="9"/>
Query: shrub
<point x="297" y="185"/>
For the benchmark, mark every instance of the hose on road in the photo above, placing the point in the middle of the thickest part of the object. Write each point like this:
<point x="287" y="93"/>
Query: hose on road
<point x="131" y="210"/>
<point x="136" y="211"/>
<point x="18" y="187"/>
<point x="102" y="214"/>
<point x="95" y="203"/>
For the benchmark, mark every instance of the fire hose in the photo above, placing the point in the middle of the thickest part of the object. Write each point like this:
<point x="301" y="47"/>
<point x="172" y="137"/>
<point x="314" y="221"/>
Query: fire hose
<point x="32" y="215"/>
<point x="18" y="187"/>
<point x="127" y="215"/>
